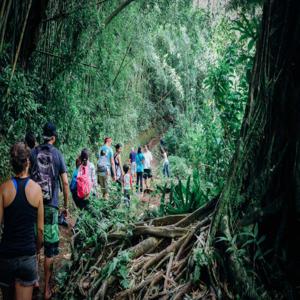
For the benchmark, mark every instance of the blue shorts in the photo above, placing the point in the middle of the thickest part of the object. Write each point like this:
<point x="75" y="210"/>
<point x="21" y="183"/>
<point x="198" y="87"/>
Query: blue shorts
<point x="23" y="270"/>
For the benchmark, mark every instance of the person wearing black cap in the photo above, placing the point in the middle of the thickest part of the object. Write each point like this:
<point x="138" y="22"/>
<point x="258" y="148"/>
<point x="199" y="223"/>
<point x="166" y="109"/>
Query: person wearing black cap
<point x="47" y="168"/>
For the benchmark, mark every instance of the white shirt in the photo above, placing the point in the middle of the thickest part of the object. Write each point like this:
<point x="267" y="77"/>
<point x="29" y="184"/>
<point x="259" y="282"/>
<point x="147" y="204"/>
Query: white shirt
<point x="148" y="159"/>
<point x="166" y="160"/>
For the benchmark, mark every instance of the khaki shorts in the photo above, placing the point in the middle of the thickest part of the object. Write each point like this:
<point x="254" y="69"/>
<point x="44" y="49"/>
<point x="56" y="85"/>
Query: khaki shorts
<point x="103" y="182"/>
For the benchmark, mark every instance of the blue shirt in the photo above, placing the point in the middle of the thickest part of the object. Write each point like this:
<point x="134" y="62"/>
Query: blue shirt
<point x="139" y="162"/>
<point x="132" y="156"/>
<point x="109" y="154"/>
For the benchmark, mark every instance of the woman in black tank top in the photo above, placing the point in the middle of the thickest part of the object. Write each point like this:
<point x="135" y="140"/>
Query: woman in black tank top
<point x="21" y="209"/>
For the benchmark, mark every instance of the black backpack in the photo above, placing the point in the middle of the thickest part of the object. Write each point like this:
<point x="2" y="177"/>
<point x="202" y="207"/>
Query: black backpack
<point x="43" y="171"/>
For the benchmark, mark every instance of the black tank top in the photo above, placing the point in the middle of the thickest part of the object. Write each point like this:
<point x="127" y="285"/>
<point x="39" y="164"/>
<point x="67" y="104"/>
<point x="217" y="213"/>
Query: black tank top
<point x="20" y="219"/>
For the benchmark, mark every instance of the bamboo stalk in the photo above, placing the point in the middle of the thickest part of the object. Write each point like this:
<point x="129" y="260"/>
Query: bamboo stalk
<point x="2" y="11"/>
<point x="3" y="25"/>
<point x="20" y="42"/>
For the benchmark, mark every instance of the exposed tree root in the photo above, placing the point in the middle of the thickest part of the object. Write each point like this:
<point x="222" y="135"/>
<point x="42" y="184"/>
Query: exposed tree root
<point x="160" y="251"/>
<point x="160" y="262"/>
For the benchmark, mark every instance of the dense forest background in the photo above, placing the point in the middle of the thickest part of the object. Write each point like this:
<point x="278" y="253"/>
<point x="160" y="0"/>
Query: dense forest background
<point x="105" y="68"/>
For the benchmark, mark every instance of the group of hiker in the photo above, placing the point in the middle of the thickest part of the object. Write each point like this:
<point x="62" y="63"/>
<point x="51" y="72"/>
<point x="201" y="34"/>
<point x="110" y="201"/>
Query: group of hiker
<point x="110" y="169"/>
<point x="29" y="202"/>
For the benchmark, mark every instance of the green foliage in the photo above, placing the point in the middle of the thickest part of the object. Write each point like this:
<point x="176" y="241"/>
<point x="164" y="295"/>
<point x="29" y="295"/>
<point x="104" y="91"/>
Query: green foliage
<point x="184" y="198"/>
<point x="118" y="267"/>
<point x="246" y="245"/>
<point x="179" y="166"/>
<point x="201" y="260"/>
<point x="18" y="110"/>
<point x="101" y="216"/>
<point x="92" y="227"/>
<point x="251" y="240"/>
<point x="181" y="72"/>
<point x="205" y="129"/>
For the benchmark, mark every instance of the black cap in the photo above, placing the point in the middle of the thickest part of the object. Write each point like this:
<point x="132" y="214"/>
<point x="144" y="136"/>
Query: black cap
<point x="49" y="131"/>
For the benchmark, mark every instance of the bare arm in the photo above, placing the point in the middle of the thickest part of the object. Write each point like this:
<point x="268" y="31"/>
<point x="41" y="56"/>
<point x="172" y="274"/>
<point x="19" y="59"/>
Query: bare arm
<point x="40" y="223"/>
<point x="95" y="178"/>
<point x="113" y="166"/>
<point x="120" y="164"/>
<point x="64" y="178"/>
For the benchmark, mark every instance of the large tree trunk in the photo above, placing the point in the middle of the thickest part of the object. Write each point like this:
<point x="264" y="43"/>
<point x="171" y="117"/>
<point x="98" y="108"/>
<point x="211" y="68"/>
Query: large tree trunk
<point x="15" y="17"/>
<point x="263" y="185"/>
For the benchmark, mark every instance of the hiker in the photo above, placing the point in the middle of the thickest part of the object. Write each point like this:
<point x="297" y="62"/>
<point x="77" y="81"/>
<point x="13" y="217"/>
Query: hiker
<point x="22" y="212"/>
<point x="147" y="165"/>
<point x="109" y="155"/>
<point x="84" y="181"/>
<point x="118" y="164"/>
<point x="73" y="183"/>
<point x="48" y="167"/>
<point x="103" y="173"/>
<point x="132" y="160"/>
<point x="127" y="184"/>
<point x="166" y="164"/>
<point x="30" y="140"/>
<point x="140" y="159"/>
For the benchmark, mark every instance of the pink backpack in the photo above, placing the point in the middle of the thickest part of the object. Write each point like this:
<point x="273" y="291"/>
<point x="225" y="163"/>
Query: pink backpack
<point x="84" y="184"/>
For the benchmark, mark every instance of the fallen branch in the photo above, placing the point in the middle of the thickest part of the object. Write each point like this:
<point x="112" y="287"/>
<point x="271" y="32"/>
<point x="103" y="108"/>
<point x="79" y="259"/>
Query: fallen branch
<point x="198" y="214"/>
<point x="145" y="282"/>
<point x="169" y="232"/>
<point x="171" y="248"/>
<point x="167" y="220"/>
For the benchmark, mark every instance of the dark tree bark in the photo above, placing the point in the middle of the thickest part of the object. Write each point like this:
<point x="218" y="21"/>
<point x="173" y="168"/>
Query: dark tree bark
<point x="263" y="185"/>
<point x="11" y="29"/>
<point x="31" y="36"/>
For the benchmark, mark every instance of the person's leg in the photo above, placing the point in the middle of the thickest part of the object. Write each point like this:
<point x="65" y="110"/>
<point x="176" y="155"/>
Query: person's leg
<point x="51" y="243"/>
<point x="75" y="198"/>
<point x="126" y="197"/>
<point x="145" y="178"/>
<point x="167" y="170"/>
<point x="137" y="181"/>
<point x="141" y="182"/>
<point x="23" y="292"/>
<point x="164" y="169"/>
<point x="119" y="186"/>
<point x="48" y="267"/>
<point x="100" y="184"/>
<point x="150" y="178"/>
<point x="7" y="270"/>
<point x="105" y="181"/>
